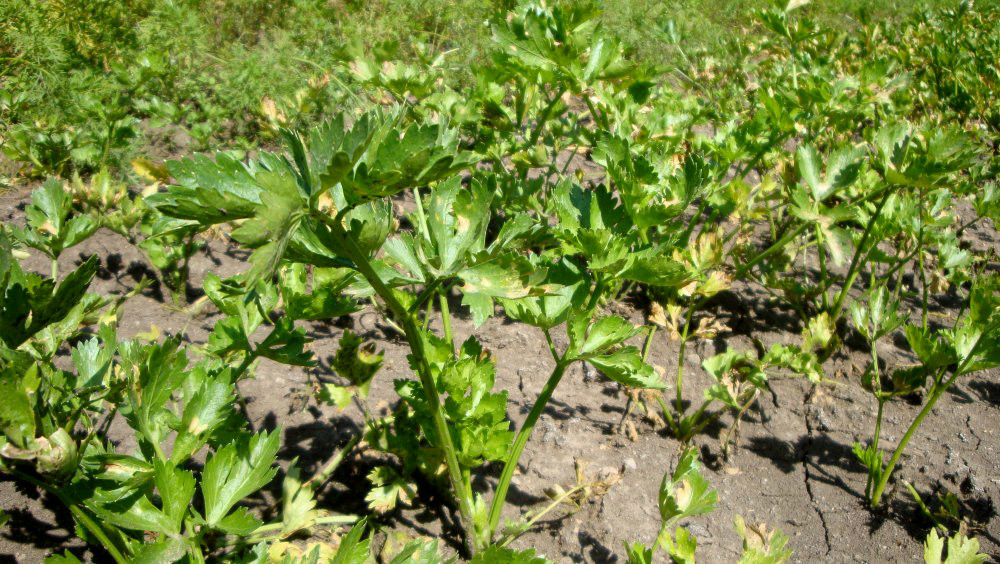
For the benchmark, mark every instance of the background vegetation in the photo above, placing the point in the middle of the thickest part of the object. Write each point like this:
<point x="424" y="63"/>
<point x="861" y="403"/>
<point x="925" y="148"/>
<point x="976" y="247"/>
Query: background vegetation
<point x="86" y="83"/>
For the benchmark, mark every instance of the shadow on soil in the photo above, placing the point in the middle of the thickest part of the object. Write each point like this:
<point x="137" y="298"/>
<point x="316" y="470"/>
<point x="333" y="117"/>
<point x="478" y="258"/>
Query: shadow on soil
<point x="786" y="455"/>
<point x="822" y="454"/>
<point x="595" y="550"/>
<point x="25" y="528"/>
<point x="986" y="390"/>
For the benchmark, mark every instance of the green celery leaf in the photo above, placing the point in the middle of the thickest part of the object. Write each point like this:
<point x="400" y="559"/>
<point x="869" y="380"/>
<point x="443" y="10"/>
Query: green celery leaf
<point x="66" y="557"/>
<point x="566" y="290"/>
<point x="92" y="360"/>
<point x="239" y="522"/>
<point x="356" y="362"/>
<point x="353" y="549"/>
<point x="286" y="344"/>
<point x="17" y="415"/>
<point x="681" y="546"/>
<point x="388" y="490"/>
<point x="626" y="367"/>
<point x="30" y="304"/>
<point x="638" y="553"/>
<point x="298" y="502"/>
<point x="205" y="412"/>
<point x="165" y="551"/>
<point x="236" y="471"/>
<point x="421" y="551"/>
<point x="930" y="348"/>
<point x="605" y="333"/>
<point x="655" y="268"/>
<point x="176" y="488"/>
<point x="161" y="373"/>
<point x="130" y="509"/>
<point x="961" y="550"/>
<point x="339" y="396"/>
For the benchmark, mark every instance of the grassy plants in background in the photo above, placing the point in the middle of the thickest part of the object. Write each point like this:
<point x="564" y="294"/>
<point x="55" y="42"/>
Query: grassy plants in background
<point x="91" y="84"/>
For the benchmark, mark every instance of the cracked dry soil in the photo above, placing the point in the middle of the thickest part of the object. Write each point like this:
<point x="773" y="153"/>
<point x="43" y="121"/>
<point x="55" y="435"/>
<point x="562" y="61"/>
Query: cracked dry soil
<point x="792" y="465"/>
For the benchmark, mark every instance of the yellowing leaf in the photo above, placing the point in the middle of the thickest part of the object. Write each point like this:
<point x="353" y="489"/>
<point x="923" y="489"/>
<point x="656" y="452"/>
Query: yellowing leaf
<point x="151" y="171"/>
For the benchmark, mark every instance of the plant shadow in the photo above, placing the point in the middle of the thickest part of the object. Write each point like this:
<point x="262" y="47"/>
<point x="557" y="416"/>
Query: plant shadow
<point x="986" y="390"/>
<point x="595" y="549"/>
<point x="25" y="528"/>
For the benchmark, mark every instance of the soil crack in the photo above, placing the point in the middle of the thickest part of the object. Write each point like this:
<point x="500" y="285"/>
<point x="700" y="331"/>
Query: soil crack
<point x="808" y="480"/>
<point x="968" y="424"/>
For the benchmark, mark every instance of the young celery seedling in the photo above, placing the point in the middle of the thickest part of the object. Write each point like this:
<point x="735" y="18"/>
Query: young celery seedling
<point x="973" y="344"/>
<point x="684" y="493"/>
<point x="876" y="318"/>
<point x="53" y="226"/>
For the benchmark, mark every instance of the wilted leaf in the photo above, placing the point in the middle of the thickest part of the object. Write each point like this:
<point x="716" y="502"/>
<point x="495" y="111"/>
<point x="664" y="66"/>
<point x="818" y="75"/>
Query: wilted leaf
<point x="685" y="493"/>
<point x="388" y="490"/>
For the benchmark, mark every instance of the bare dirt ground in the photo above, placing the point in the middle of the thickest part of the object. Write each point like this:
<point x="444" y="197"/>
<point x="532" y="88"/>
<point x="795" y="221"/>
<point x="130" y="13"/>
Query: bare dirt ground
<point x="792" y="466"/>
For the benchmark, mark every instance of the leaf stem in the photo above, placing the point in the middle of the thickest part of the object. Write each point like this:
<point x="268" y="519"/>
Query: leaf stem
<point x="735" y="427"/>
<point x="523" y="434"/>
<point x="320" y="478"/>
<point x="598" y="118"/>
<point x="415" y="339"/>
<point x="696" y="426"/>
<point x="875" y="438"/>
<point x="425" y="295"/>
<point x="923" y="272"/>
<point x="899" y="265"/>
<point x="750" y="165"/>
<point x="545" y="116"/>
<point x="666" y="413"/>
<point x="852" y="270"/>
<point x="427" y="315"/>
<point x="877" y="387"/>
<point x="248" y="359"/>
<point x="421" y="217"/>
<point x="446" y="319"/>
<point x="552" y="346"/>
<point x="823" y="275"/>
<point x="777" y="246"/>
<point x="938" y="390"/>
<point x="679" y="402"/>
<point x="686" y="235"/>
<point x="541" y="513"/>
<point x="257" y="537"/>
<point x="923" y="507"/>
<point x="923" y="280"/>
<point x="647" y="346"/>
<point x="887" y="472"/>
